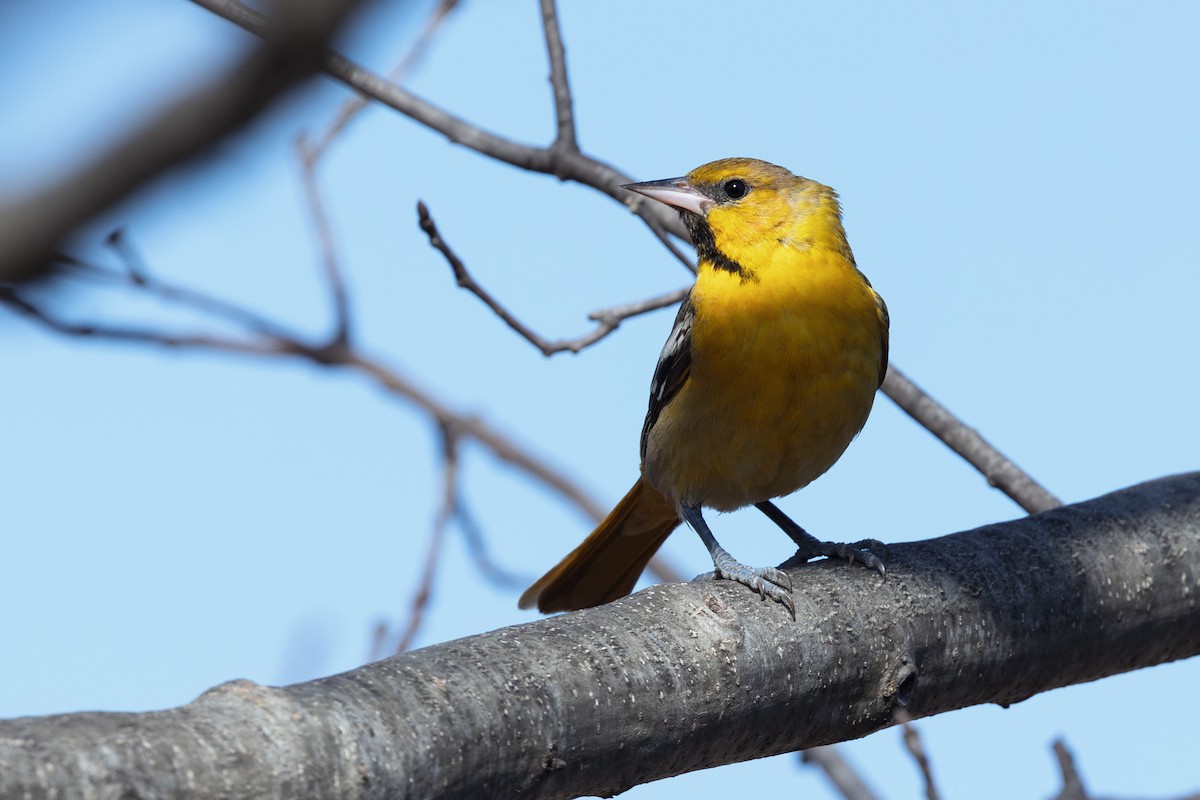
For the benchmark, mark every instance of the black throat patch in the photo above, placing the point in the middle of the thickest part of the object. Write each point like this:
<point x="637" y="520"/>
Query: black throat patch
<point x="706" y="246"/>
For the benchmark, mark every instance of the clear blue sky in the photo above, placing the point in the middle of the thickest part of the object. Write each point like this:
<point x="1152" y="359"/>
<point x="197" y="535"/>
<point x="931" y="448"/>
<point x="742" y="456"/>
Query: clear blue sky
<point x="1019" y="182"/>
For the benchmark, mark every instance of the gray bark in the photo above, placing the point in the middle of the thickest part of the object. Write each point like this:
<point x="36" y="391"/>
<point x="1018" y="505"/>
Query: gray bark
<point x="675" y="678"/>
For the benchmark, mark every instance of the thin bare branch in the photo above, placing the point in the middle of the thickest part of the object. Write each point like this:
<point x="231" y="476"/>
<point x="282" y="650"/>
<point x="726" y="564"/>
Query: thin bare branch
<point x="379" y="637"/>
<point x="334" y="281"/>
<point x="912" y="740"/>
<point x="16" y="301"/>
<point x="352" y="107"/>
<point x="500" y="446"/>
<point x="33" y="225"/>
<point x="293" y="346"/>
<point x="609" y="319"/>
<point x="565" y="138"/>
<point x="841" y="774"/>
<point x="137" y="277"/>
<point x="563" y="163"/>
<point x="436" y="539"/>
<point x="1072" y="788"/>
<point x="999" y="471"/>
<point x="478" y="550"/>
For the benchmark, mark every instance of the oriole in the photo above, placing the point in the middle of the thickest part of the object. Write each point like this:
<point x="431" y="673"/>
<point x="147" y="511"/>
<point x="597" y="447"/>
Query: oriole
<point x="767" y="375"/>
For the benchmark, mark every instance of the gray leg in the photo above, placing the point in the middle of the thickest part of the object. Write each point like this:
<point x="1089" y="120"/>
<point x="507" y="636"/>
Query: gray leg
<point x="767" y="581"/>
<point x="811" y="547"/>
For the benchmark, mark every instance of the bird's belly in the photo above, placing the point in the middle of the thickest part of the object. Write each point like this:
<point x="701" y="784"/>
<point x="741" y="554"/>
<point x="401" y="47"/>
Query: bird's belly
<point x="746" y="429"/>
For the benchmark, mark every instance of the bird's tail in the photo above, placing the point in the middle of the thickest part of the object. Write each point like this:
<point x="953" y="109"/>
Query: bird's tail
<point x="607" y="565"/>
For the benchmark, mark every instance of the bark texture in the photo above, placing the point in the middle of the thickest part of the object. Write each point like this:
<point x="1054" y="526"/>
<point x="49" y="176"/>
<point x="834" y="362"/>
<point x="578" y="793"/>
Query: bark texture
<point x="675" y="678"/>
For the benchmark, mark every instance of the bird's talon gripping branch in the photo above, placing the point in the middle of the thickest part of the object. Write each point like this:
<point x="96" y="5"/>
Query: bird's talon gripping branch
<point x="769" y="371"/>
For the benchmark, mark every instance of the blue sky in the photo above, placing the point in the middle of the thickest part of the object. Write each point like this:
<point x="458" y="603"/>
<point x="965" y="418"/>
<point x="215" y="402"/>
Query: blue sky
<point x="1019" y="183"/>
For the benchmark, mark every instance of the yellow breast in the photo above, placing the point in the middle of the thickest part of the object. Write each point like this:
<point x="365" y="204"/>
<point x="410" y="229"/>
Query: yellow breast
<point x="784" y="368"/>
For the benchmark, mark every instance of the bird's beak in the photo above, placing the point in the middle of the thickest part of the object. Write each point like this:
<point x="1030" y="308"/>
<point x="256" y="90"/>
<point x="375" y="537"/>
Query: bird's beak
<point x="675" y="192"/>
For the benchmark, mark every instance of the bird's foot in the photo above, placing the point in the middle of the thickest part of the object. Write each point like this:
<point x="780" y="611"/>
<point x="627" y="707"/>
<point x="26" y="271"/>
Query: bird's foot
<point x="859" y="551"/>
<point x="809" y="547"/>
<point x="769" y="582"/>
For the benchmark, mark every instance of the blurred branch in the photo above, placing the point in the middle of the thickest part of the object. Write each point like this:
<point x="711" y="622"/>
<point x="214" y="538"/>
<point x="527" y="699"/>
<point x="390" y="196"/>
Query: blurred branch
<point x="1072" y="788"/>
<point x="477" y="549"/>
<point x="334" y="281"/>
<point x="268" y="339"/>
<point x="609" y="319"/>
<point x="673" y="679"/>
<point x="563" y="162"/>
<point x="912" y="740"/>
<point x="352" y="107"/>
<point x="841" y="774"/>
<point x="436" y="539"/>
<point x="34" y="225"/>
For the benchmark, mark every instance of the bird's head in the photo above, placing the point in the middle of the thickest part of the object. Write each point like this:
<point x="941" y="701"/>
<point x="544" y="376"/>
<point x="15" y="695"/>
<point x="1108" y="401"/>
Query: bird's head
<point x="735" y="206"/>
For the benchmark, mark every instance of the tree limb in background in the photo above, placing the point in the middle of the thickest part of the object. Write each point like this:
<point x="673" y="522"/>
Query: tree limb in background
<point x="34" y="225"/>
<point x="710" y="674"/>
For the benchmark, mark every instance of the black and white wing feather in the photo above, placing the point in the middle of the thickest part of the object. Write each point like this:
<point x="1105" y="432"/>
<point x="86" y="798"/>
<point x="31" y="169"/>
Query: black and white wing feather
<point x="674" y="366"/>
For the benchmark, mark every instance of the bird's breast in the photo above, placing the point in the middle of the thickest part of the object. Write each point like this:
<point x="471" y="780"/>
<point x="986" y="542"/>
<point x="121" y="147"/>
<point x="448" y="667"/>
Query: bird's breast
<point x="783" y="376"/>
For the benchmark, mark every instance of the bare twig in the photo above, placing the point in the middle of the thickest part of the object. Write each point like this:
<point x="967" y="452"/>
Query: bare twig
<point x="333" y="273"/>
<point x="436" y="539"/>
<point x="561" y="162"/>
<point x="31" y="226"/>
<point x="609" y="319"/>
<point x="477" y="549"/>
<point x="142" y="280"/>
<point x="912" y="740"/>
<point x="565" y="138"/>
<point x="1072" y="788"/>
<point x="839" y="772"/>
<point x="996" y="468"/>
<point x="379" y="637"/>
<point x="20" y="304"/>
<point x="351" y="108"/>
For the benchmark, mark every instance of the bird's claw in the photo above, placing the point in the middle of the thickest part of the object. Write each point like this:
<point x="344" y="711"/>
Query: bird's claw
<point x="859" y="551"/>
<point x="769" y="582"/>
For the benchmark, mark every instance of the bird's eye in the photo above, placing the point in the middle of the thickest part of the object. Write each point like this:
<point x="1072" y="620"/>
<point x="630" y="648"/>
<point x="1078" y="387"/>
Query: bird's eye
<point x="735" y="189"/>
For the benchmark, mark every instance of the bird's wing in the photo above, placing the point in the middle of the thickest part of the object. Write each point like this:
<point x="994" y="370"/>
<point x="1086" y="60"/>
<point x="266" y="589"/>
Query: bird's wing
<point x="884" y="325"/>
<point x="674" y="366"/>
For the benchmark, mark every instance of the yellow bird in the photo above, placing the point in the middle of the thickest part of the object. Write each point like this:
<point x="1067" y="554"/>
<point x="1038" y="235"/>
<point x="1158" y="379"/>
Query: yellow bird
<point x="769" y="372"/>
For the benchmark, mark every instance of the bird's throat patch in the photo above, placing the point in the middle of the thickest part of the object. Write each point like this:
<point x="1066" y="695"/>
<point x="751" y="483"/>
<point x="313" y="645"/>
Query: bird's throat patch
<point x="706" y="246"/>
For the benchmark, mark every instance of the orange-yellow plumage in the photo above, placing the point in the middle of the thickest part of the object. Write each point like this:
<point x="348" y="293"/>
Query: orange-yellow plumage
<point x="769" y="373"/>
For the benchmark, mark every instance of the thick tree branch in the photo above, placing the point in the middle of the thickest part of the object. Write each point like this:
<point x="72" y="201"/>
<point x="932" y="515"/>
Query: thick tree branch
<point x="675" y="678"/>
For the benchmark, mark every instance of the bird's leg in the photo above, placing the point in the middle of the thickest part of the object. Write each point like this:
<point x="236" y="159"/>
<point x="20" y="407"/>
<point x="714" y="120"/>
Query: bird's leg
<point x="810" y="547"/>
<point x="767" y="581"/>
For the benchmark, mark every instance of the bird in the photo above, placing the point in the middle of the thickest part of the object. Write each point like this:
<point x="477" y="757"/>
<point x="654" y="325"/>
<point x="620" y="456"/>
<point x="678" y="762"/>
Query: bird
<point x="768" y="373"/>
